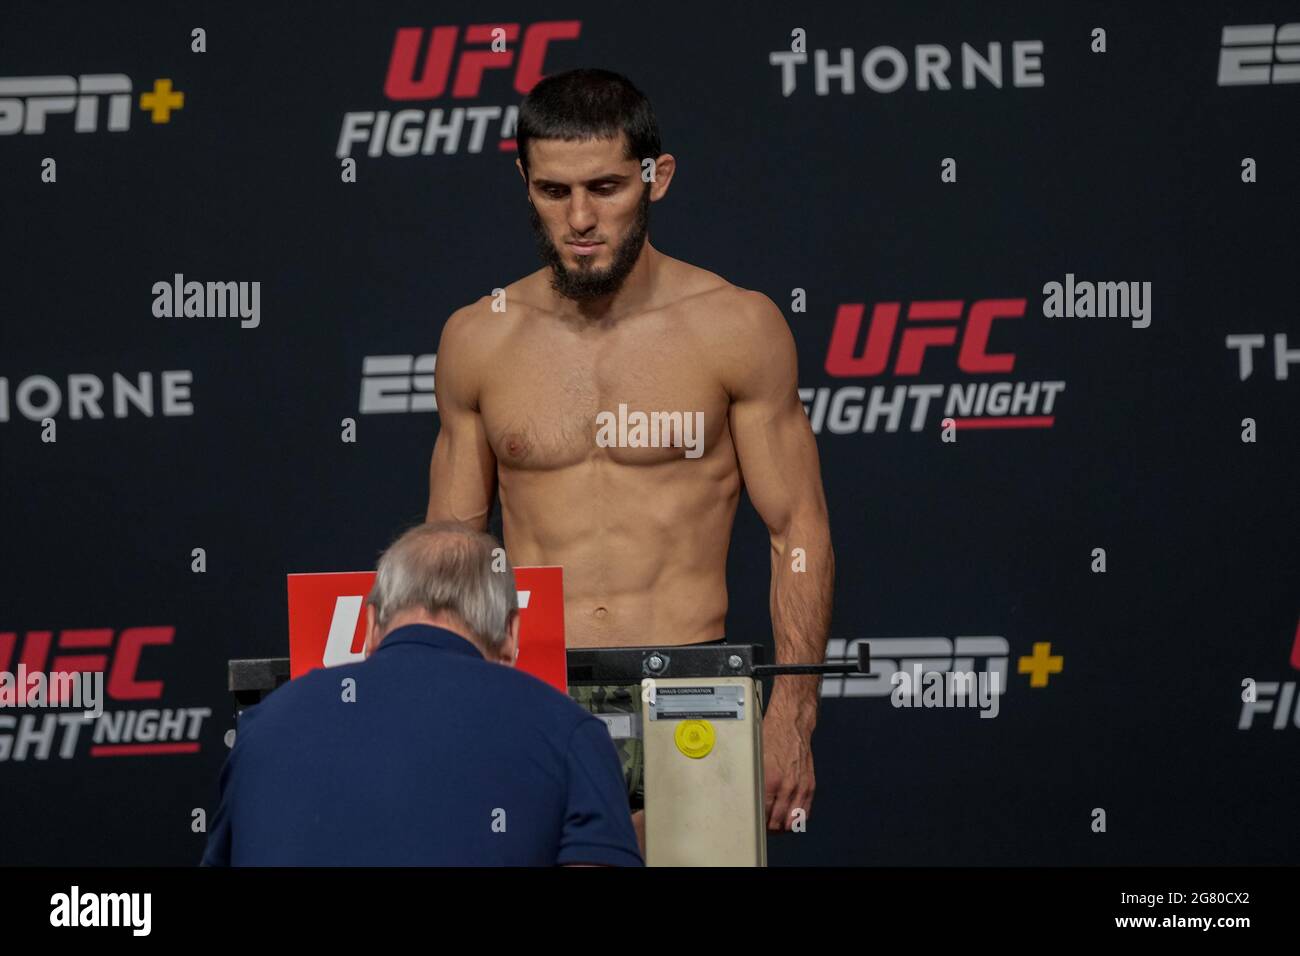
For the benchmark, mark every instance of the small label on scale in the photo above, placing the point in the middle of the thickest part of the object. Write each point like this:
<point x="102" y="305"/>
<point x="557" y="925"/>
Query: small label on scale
<point x="706" y="702"/>
<point x="620" y="726"/>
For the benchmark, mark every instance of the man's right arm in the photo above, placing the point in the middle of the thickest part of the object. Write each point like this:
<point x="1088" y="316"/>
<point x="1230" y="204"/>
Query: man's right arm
<point x="462" y="472"/>
<point x="598" y="828"/>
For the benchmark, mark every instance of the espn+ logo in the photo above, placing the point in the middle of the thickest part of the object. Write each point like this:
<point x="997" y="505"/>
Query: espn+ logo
<point x="1259" y="55"/>
<point x="27" y="102"/>
<point x="897" y="655"/>
<point x="398" y="383"/>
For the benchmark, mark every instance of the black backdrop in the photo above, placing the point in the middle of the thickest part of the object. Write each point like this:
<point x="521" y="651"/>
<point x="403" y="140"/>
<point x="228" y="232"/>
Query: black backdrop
<point x="1117" y="166"/>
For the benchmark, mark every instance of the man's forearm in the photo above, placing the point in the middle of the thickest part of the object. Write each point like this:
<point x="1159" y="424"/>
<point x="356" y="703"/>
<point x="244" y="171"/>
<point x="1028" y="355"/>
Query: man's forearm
<point x="436" y="511"/>
<point x="803" y="582"/>
<point x="445" y="505"/>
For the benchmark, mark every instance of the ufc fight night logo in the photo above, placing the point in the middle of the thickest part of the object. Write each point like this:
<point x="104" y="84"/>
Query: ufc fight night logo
<point x="485" y="47"/>
<point x="923" y="332"/>
<point x="930" y="331"/>
<point x="1277" y="698"/>
<point x="419" y="69"/>
<point x="115" y="732"/>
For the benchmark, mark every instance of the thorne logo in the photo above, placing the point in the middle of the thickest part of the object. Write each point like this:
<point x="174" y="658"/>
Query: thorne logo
<point x="1103" y="300"/>
<point x="894" y="659"/>
<point x="38" y="397"/>
<point x="75" y="908"/>
<point x="929" y="325"/>
<point x="398" y="383"/>
<point x="1259" y="55"/>
<point x="651" y="430"/>
<point x="419" y="68"/>
<point x="27" y="101"/>
<point x="886" y="69"/>
<point x="211" y="300"/>
<point x="1246" y="345"/>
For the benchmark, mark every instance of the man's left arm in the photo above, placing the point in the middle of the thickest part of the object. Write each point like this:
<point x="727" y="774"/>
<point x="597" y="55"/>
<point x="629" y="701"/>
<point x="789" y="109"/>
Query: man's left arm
<point x="778" y="462"/>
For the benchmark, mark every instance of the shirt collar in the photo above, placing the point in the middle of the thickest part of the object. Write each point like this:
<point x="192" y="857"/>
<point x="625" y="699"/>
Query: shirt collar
<point x="427" y="635"/>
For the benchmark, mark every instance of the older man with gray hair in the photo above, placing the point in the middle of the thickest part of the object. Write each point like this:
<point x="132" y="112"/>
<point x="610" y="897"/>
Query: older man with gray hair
<point x="429" y="752"/>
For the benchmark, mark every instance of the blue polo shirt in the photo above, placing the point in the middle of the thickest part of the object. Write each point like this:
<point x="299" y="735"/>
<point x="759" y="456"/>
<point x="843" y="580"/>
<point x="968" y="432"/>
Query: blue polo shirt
<point x="443" y="759"/>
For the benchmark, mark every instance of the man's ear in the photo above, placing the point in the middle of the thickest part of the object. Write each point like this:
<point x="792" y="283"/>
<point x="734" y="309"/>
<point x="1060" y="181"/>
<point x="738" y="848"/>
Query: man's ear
<point x="372" y="631"/>
<point x="520" y="166"/>
<point x="665" y="166"/>
<point x="512" y="640"/>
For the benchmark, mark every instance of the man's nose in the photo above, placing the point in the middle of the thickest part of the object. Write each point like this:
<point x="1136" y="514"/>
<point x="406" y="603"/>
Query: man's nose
<point x="582" y="213"/>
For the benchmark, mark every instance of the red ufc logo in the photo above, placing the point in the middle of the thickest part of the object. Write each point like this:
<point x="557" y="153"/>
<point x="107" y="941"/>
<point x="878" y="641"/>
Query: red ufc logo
<point x="929" y="324"/>
<point x="122" y="682"/>
<point x="402" y="83"/>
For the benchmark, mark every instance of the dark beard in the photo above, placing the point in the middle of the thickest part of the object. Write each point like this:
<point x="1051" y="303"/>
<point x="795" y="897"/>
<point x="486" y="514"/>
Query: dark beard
<point x="586" y="284"/>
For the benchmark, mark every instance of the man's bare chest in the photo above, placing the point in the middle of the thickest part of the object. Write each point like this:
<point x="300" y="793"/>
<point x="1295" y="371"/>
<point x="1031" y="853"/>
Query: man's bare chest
<point x="558" y="403"/>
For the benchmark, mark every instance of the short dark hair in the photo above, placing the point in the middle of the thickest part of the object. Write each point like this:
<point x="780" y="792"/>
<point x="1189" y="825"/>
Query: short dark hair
<point x="588" y="104"/>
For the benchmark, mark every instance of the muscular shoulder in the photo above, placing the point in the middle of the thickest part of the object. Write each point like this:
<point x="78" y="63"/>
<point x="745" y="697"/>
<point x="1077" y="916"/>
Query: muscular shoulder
<point x="746" y="313"/>
<point x="463" y="349"/>
<point x="471" y="326"/>
<point x="749" y="338"/>
<point x="474" y="333"/>
<point x="718" y="304"/>
<point x="494" y="314"/>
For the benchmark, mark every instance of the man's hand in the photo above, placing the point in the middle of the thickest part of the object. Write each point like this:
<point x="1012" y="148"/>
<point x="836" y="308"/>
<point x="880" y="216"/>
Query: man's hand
<point x="638" y="824"/>
<point x="787" y="771"/>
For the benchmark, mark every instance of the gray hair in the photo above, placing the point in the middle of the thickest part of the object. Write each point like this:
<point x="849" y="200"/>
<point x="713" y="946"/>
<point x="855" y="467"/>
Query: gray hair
<point x="446" y="567"/>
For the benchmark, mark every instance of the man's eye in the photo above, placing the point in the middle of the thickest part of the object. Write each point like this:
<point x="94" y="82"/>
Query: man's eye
<point x="557" y="192"/>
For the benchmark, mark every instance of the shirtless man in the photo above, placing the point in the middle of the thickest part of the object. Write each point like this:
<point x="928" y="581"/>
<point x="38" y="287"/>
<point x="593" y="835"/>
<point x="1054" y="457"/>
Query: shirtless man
<point x="641" y="532"/>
